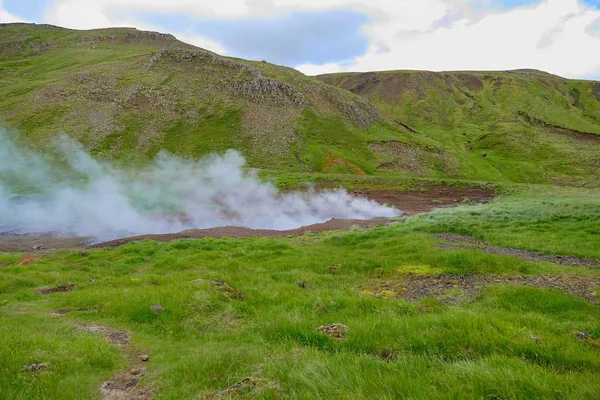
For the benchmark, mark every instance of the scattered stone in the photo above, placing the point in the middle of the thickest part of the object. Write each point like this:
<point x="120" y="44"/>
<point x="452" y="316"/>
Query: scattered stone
<point x="387" y="353"/>
<point x="145" y="357"/>
<point x="303" y="284"/>
<point x="157" y="308"/>
<point x="225" y="289"/>
<point x="535" y="338"/>
<point x="38" y="247"/>
<point x="83" y="254"/>
<point x="589" y="339"/>
<point x="336" y="331"/>
<point x="244" y="384"/>
<point x="583" y="335"/>
<point x="35" y="367"/>
<point x="335" y="267"/>
<point x="65" y="287"/>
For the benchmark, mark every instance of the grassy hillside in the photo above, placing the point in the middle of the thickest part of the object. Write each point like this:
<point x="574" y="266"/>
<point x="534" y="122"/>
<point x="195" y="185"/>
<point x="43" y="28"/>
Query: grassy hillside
<point x="126" y="94"/>
<point x="240" y="318"/>
<point x="522" y="125"/>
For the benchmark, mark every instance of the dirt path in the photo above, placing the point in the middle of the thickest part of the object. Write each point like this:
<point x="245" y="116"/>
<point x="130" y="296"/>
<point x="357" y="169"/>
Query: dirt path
<point x="454" y="241"/>
<point x="124" y="384"/>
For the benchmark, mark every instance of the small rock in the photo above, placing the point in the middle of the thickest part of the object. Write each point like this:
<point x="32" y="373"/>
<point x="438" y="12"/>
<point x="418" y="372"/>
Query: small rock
<point x="136" y="371"/>
<point x="583" y="335"/>
<point x="157" y="308"/>
<point x="84" y="253"/>
<point x="336" y="331"/>
<point x="36" y="367"/>
<point x="145" y="358"/>
<point x="246" y="383"/>
<point x="335" y="267"/>
<point x="38" y="247"/>
<point x="535" y="338"/>
<point x="302" y="283"/>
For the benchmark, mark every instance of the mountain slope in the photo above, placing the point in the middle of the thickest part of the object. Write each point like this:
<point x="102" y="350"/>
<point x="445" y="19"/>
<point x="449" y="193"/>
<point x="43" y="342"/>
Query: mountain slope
<point x="126" y="94"/>
<point x="520" y="125"/>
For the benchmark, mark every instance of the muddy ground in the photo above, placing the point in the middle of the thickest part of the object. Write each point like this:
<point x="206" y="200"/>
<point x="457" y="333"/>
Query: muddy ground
<point x="411" y="202"/>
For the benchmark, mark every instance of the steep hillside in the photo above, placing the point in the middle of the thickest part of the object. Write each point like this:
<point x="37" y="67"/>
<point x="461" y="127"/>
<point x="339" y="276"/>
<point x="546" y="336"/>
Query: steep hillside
<point x="522" y="125"/>
<point x="126" y="94"/>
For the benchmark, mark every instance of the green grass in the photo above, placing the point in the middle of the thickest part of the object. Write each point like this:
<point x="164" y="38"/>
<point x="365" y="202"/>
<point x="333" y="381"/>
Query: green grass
<point x="101" y="93"/>
<point x="507" y="342"/>
<point x="563" y="222"/>
<point x="207" y="340"/>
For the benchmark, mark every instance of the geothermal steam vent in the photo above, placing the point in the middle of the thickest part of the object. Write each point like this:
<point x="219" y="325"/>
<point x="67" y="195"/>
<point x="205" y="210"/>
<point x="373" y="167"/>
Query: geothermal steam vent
<point x="78" y="195"/>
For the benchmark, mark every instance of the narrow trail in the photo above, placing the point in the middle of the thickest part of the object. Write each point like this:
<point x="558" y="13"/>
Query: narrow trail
<point x="124" y="385"/>
<point x="454" y="241"/>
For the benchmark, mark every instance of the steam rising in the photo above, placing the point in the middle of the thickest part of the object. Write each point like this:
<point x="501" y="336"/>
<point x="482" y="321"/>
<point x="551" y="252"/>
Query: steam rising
<point x="84" y="197"/>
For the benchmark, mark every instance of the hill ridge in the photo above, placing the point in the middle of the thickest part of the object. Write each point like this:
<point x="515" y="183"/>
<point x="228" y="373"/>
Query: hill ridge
<point x="126" y="94"/>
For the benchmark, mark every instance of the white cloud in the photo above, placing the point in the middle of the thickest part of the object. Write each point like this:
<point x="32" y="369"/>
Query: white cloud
<point x="311" y="69"/>
<point x="83" y="14"/>
<point x="550" y="36"/>
<point x="6" y="17"/>
<point x="403" y="34"/>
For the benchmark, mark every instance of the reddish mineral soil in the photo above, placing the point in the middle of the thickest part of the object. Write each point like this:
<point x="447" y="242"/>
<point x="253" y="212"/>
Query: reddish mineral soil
<point x="411" y="202"/>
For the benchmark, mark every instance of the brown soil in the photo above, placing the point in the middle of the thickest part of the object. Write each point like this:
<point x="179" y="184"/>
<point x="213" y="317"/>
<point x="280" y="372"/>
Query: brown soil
<point x="411" y="202"/>
<point x="57" y="289"/>
<point x="452" y="288"/>
<point x="473" y="83"/>
<point x="241" y="232"/>
<point x="333" y="163"/>
<point x="417" y="202"/>
<point x="455" y="241"/>
<point x="124" y="384"/>
<point x="39" y="243"/>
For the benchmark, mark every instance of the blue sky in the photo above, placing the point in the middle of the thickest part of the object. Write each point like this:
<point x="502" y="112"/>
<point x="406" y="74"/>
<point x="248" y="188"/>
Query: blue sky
<point x="320" y="36"/>
<point x="32" y="10"/>
<point x="289" y="39"/>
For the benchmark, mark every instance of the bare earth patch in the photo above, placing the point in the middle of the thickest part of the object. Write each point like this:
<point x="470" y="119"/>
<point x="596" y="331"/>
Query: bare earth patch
<point x="241" y="232"/>
<point x="124" y="384"/>
<point x="410" y="202"/>
<point x="65" y="287"/>
<point x="336" y="331"/>
<point x="452" y="288"/>
<point x="434" y="196"/>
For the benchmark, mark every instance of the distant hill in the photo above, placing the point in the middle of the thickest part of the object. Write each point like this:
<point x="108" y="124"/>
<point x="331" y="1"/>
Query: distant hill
<point x="522" y="125"/>
<point x="126" y="94"/>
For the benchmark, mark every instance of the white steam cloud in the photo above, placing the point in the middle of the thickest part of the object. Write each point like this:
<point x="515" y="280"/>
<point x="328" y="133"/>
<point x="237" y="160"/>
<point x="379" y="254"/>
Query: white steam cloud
<point x="84" y="197"/>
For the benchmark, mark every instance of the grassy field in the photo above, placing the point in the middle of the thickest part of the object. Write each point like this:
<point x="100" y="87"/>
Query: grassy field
<point x="247" y="311"/>
<point x="394" y="312"/>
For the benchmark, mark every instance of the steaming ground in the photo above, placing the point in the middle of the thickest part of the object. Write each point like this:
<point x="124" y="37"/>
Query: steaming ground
<point x="77" y="195"/>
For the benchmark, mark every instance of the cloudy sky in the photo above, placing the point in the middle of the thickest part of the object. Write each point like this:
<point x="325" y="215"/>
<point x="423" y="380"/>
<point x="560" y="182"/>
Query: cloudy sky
<point x="318" y="36"/>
